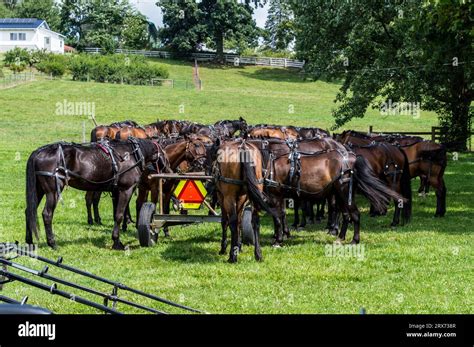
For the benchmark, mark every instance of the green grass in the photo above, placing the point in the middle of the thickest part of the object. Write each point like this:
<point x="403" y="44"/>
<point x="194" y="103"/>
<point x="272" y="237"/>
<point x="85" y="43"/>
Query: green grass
<point x="425" y="267"/>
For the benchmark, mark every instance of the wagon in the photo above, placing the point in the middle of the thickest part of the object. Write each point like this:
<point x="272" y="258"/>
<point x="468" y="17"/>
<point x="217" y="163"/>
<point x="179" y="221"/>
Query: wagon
<point x="192" y="195"/>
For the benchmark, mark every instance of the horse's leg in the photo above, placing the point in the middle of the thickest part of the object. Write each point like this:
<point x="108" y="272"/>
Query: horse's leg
<point x="89" y="196"/>
<point x="284" y="221"/>
<point x="224" y="225"/>
<point x="332" y="225"/>
<point x="310" y="208"/>
<point x="48" y="213"/>
<point x="240" y="207"/>
<point x="39" y="196"/>
<point x="127" y="216"/>
<point x="95" y="204"/>
<point x="320" y="210"/>
<point x="304" y="214"/>
<point x="166" y="209"/>
<point x="355" y="216"/>
<point x="256" y="234"/>
<point x="121" y="203"/>
<point x="345" y="224"/>
<point x="440" y="186"/>
<point x="230" y="207"/>
<point x="296" y="215"/>
<point x="278" y="222"/>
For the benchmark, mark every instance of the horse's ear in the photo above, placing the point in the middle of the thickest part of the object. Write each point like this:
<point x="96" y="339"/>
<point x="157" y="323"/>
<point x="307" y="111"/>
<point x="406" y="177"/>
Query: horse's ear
<point x="217" y="142"/>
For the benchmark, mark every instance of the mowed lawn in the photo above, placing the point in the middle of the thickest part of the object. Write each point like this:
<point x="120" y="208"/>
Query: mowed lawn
<point x="424" y="267"/>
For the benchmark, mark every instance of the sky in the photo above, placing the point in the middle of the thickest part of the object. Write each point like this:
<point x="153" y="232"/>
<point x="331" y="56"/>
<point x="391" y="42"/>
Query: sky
<point x="153" y="12"/>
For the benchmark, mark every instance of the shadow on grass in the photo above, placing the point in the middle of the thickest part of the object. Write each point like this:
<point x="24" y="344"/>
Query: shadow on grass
<point x="191" y="251"/>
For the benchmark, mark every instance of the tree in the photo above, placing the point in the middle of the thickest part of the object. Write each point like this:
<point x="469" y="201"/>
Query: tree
<point x="393" y="51"/>
<point x="135" y="32"/>
<point x="189" y="23"/>
<point x="103" y="23"/>
<point x="44" y="9"/>
<point x="5" y="11"/>
<point x="279" y="25"/>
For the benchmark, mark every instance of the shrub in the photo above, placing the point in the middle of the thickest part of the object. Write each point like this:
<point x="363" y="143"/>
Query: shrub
<point x="54" y="64"/>
<point x="17" y="59"/>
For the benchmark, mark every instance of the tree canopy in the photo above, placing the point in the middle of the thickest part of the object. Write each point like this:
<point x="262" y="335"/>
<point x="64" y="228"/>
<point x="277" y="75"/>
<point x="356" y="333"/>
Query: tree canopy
<point x="398" y="51"/>
<point x="279" y="28"/>
<point x="188" y="24"/>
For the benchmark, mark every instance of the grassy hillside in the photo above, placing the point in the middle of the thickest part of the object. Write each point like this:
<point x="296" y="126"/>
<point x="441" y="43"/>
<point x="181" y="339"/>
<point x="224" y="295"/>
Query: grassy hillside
<point x="425" y="267"/>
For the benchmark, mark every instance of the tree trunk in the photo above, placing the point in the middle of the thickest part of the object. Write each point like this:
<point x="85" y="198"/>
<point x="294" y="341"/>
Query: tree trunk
<point x="220" y="47"/>
<point x="458" y="128"/>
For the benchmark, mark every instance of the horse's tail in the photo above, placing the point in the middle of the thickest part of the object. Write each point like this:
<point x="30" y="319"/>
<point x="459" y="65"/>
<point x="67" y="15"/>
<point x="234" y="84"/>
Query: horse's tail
<point x="31" y="200"/>
<point x="372" y="187"/>
<point x="405" y="189"/>
<point x="255" y="195"/>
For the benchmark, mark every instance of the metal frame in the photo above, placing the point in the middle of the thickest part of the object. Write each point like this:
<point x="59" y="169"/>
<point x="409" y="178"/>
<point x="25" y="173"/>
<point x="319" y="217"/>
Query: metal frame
<point x="161" y="220"/>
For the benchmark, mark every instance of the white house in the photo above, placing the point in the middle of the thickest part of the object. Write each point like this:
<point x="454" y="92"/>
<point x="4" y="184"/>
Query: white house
<point x="30" y="33"/>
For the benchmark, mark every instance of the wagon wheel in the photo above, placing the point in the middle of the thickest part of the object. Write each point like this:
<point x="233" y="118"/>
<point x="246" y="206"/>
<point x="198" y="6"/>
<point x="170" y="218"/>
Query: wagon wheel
<point x="247" y="229"/>
<point x="145" y="235"/>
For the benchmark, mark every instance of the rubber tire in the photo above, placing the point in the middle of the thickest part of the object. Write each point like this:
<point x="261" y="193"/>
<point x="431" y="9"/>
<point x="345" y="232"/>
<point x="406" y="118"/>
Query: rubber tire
<point x="144" y="228"/>
<point x="247" y="229"/>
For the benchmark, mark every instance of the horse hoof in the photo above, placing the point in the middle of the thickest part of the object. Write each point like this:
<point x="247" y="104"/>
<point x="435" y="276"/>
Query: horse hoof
<point x="232" y="260"/>
<point x="90" y="222"/>
<point x="118" y="246"/>
<point x="53" y="245"/>
<point x="98" y="222"/>
<point x="222" y="252"/>
<point x="276" y="245"/>
<point x="332" y="232"/>
<point x="300" y="228"/>
<point x="338" y="241"/>
<point x="354" y="242"/>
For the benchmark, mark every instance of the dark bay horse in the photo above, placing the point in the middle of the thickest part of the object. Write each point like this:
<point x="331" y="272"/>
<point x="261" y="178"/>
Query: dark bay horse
<point x="390" y="164"/>
<point x="109" y="131"/>
<point x="50" y="168"/>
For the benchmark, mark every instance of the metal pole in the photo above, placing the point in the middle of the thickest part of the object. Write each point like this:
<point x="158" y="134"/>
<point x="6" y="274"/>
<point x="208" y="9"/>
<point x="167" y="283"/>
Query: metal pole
<point x="160" y="189"/>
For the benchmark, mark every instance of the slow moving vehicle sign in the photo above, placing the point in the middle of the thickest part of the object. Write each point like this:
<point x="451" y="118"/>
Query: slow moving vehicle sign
<point x="190" y="193"/>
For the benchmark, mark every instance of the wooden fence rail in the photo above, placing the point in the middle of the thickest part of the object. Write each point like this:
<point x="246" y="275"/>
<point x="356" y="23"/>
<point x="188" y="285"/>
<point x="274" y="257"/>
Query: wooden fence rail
<point x="437" y="133"/>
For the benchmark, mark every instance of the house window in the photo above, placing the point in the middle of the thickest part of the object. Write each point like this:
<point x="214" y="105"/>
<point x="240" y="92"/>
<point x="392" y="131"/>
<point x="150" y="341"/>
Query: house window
<point x="13" y="36"/>
<point x="22" y="36"/>
<point x="60" y="43"/>
<point x="46" y="40"/>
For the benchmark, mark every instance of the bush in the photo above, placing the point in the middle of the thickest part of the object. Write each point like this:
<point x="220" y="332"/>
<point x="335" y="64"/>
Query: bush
<point x="116" y="68"/>
<point x="17" y="59"/>
<point x="53" y="64"/>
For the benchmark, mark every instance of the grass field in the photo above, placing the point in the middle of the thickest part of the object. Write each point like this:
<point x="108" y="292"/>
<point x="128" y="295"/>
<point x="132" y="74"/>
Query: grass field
<point x="425" y="267"/>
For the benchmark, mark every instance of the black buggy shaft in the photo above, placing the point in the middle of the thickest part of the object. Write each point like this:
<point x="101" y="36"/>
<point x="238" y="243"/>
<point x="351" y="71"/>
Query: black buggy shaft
<point x="118" y="285"/>
<point x="43" y="273"/>
<point x="53" y="290"/>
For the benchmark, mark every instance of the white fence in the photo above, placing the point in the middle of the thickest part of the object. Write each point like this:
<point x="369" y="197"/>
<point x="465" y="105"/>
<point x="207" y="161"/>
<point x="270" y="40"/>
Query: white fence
<point x="157" y="54"/>
<point x="229" y="58"/>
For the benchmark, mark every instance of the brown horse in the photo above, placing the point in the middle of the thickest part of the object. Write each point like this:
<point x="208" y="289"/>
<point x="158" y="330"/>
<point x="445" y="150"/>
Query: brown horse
<point x="52" y="167"/>
<point x="109" y="131"/>
<point x="125" y="133"/>
<point x="189" y="150"/>
<point x="268" y="131"/>
<point x="390" y="164"/>
<point x="239" y="179"/>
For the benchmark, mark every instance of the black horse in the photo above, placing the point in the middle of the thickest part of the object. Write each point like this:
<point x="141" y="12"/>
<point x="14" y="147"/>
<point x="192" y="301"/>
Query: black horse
<point x="114" y="166"/>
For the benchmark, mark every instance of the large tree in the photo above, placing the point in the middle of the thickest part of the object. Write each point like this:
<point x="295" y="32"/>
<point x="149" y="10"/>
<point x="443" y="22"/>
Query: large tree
<point x="103" y="23"/>
<point x="403" y="50"/>
<point x="5" y="12"/>
<point x="279" y="25"/>
<point x="44" y="9"/>
<point x="188" y="23"/>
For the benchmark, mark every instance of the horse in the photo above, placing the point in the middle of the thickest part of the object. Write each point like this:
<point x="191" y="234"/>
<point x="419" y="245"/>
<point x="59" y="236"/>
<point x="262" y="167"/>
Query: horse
<point x="334" y="172"/>
<point x="126" y="132"/>
<point x="114" y="166"/>
<point x="109" y="131"/>
<point x="190" y="150"/>
<point x="309" y="133"/>
<point x="390" y="164"/>
<point x="267" y="131"/>
<point x="238" y="182"/>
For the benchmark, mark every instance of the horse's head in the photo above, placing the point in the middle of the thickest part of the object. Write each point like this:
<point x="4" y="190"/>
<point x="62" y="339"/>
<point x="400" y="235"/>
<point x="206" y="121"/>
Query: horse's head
<point x="196" y="153"/>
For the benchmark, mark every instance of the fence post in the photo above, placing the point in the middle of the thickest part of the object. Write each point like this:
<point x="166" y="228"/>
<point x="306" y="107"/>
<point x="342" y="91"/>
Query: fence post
<point x="370" y="129"/>
<point x="433" y="134"/>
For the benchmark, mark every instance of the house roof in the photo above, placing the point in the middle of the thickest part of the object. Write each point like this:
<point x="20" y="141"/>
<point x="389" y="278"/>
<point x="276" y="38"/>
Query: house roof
<point x="21" y="23"/>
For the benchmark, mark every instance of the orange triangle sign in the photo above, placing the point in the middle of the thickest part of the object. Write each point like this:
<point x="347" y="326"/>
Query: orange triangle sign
<point x="190" y="193"/>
